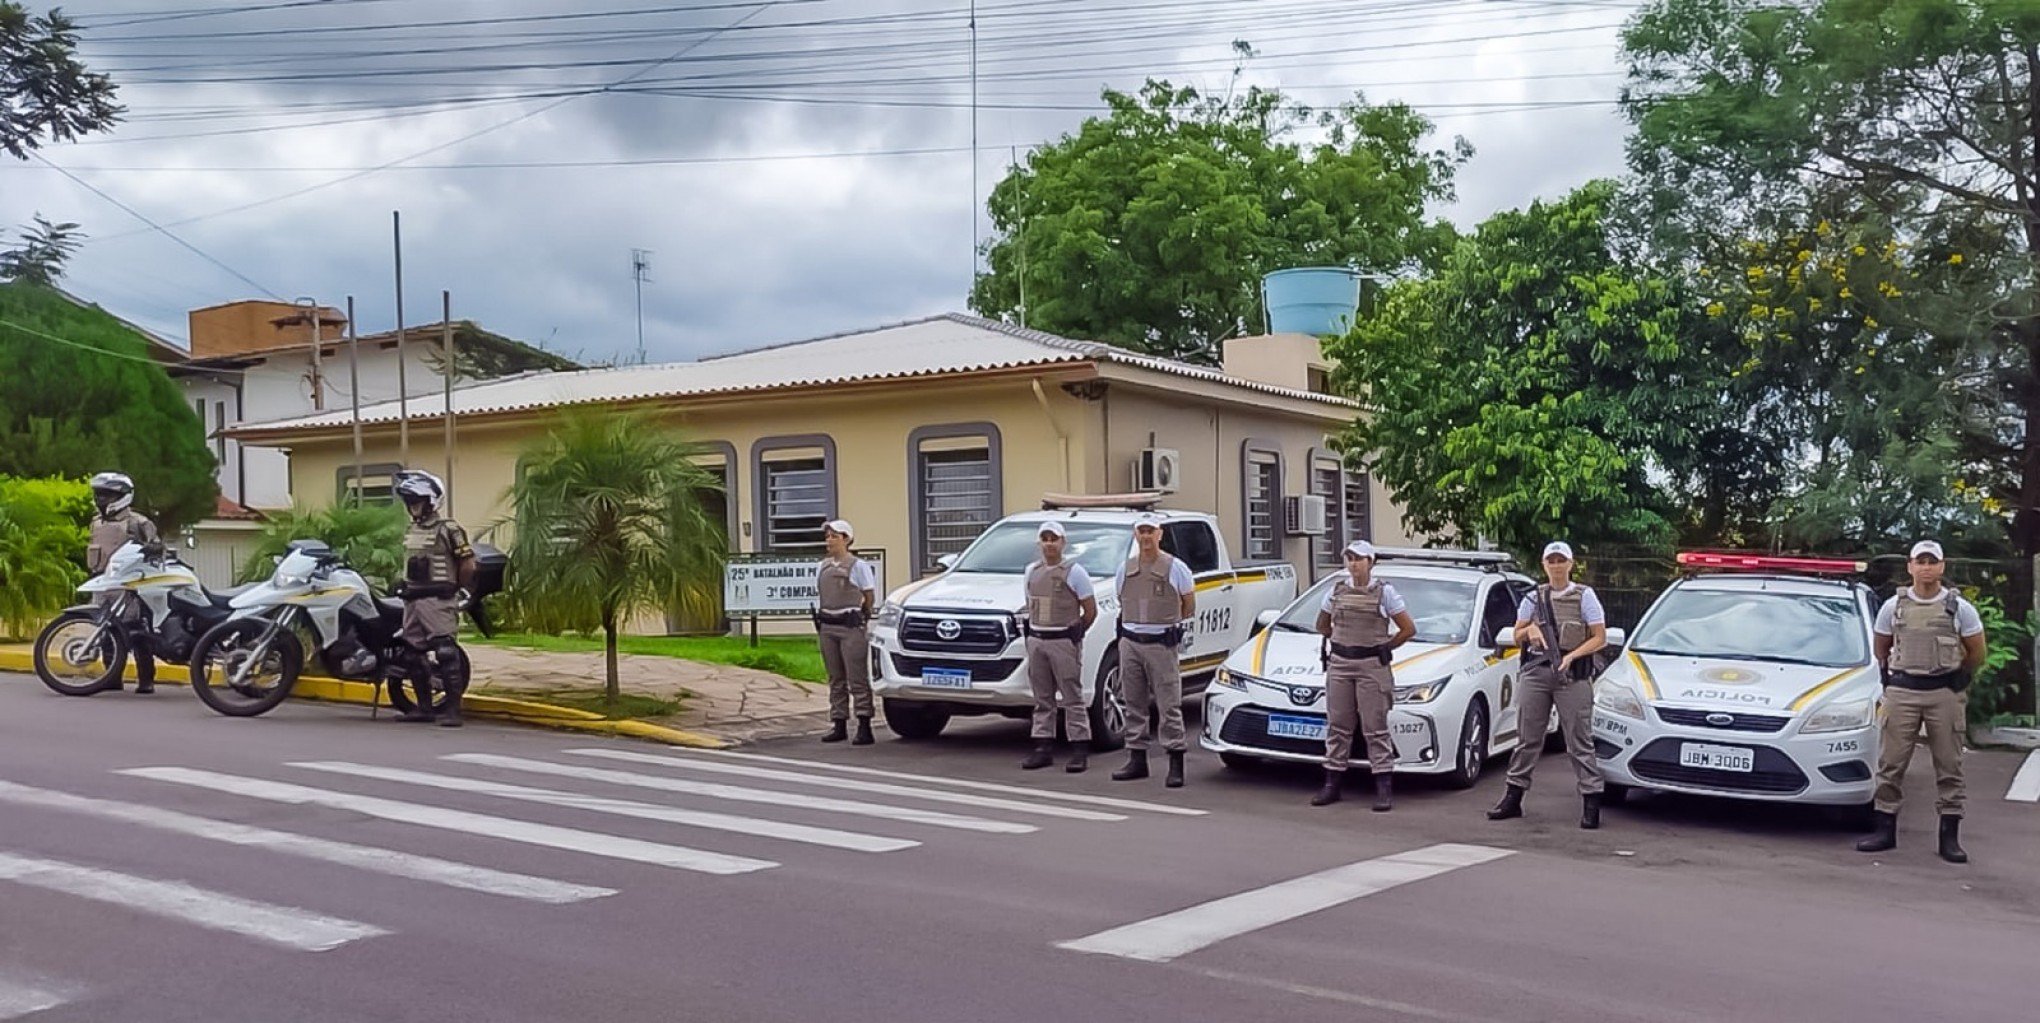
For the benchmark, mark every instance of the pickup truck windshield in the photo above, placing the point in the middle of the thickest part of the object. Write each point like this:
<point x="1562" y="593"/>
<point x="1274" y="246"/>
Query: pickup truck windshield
<point x="1785" y="627"/>
<point x="1441" y="608"/>
<point x="1009" y="547"/>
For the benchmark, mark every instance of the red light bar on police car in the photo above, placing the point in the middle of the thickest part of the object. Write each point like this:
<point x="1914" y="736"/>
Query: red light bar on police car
<point x="1771" y="563"/>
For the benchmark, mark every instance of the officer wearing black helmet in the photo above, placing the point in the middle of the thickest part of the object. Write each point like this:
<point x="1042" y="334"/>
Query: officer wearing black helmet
<point x="438" y="564"/>
<point x="116" y="525"/>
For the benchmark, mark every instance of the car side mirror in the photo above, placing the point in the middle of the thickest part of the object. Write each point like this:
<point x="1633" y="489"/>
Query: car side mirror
<point x="1616" y="637"/>
<point x="1505" y="638"/>
<point x="1264" y="621"/>
<point x="946" y="562"/>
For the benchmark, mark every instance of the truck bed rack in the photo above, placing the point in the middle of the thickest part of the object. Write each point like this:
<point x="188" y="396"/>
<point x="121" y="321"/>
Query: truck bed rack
<point x="1140" y="501"/>
<point x="1490" y="561"/>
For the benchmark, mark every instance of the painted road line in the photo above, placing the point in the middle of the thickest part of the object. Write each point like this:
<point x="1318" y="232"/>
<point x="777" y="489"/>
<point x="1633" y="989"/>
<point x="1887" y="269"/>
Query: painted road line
<point x="798" y="802"/>
<point x="570" y="839"/>
<point x="1163" y="938"/>
<point x="964" y="783"/>
<point x="22" y="996"/>
<point x="430" y="869"/>
<point x="715" y="766"/>
<point x="2026" y="784"/>
<point x="759" y="826"/>
<point x="284" y="926"/>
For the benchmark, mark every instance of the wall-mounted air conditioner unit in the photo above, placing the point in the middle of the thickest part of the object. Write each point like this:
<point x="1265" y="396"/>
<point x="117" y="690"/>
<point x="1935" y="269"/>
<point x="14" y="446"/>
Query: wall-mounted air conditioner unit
<point x="1157" y="469"/>
<point x="1305" y="516"/>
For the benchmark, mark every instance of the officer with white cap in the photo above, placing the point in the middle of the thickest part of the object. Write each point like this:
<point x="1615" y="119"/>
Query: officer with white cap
<point x="1157" y="594"/>
<point x="1060" y="609"/>
<point x="1562" y="625"/>
<point x="845" y="585"/>
<point x="1929" y="642"/>
<point x="1354" y="620"/>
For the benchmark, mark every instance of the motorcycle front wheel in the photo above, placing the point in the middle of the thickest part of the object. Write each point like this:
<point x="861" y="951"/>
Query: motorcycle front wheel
<point x="71" y="662"/>
<point x="226" y="675"/>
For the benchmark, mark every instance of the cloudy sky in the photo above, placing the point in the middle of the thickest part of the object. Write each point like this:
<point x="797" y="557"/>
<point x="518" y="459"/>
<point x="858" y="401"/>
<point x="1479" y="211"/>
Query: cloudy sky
<point x="795" y="167"/>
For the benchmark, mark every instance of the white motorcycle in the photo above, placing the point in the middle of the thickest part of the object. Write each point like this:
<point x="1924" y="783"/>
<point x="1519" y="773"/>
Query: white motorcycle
<point x="248" y="664"/>
<point x="85" y="649"/>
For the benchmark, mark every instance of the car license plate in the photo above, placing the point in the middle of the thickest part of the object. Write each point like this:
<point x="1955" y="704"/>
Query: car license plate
<point x="1717" y="758"/>
<point x="1294" y="726"/>
<point x="945" y="678"/>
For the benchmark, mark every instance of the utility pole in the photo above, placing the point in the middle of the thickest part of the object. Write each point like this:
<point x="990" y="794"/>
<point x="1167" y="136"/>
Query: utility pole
<point x="311" y="309"/>
<point x="403" y="388"/>
<point x="446" y="379"/>
<point x="973" y="146"/>
<point x="641" y="273"/>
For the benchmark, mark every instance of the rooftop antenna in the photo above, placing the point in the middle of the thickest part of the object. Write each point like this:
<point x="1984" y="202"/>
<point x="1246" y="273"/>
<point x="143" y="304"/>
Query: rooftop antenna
<point x="640" y="273"/>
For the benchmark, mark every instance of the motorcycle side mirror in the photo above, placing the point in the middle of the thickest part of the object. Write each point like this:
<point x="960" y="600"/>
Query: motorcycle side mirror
<point x="191" y="541"/>
<point x="276" y="559"/>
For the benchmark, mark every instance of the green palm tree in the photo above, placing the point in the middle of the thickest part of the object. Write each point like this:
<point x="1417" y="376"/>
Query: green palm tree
<point x="609" y="525"/>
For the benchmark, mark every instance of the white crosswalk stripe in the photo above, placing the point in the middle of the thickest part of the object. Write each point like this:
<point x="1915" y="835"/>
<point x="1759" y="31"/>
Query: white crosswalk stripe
<point x="430" y="869"/>
<point x="962" y="783"/>
<point x="530" y="833"/>
<point x="23" y="996"/>
<point x="622" y="807"/>
<point x="739" y="793"/>
<point x="284" y="926"/>
<point x="866" y="787"/>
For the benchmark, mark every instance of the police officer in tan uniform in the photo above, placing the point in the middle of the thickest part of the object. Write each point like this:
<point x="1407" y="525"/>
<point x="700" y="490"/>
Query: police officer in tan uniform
<point x="845" y="585"/>
<point x="1562" y="625"/>
<point x="1929" y="642"/>
<point x="1354" y="619"/>
<point x="1060" y="609"/>
<point x="1157" y="594"/>
<point x="439" y="563"/>
<point x="116" y="525"/>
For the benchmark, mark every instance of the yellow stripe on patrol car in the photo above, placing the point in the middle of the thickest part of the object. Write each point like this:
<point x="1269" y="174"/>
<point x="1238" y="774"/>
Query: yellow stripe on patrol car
<point x="1251" y="577"/>
<point x="1812" y="694"/>
<point x="1428" y="653"/>
<point x="1214" y="583"/>
<point x="1261" y="648"/>
<point x="1650" y="689"/>
<point x="1205" y="662"/>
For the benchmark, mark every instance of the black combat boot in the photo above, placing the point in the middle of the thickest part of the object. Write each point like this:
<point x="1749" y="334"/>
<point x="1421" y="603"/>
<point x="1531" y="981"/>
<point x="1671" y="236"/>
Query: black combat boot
<point x="839" y="730"/>
<point x="1080" y="757"/>
<point x="1884" y="837"/>
<point x="1590" y="811"/>
<point x="1175" y="778"/>
<point x="1330" y="792"/>
<point x="1511" y="805"/>
<point x="1135" y="769"/>
<point x="1951" y="839"/>
<point x="423" y="710"/>
<point x="1041" y="756"/>
<point x="145" y="671"/>
<point x="863" y="731"/>
<point x="1384" y="793"/>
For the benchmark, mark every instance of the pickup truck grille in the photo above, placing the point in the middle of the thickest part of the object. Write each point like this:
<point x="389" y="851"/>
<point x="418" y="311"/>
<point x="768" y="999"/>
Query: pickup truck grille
<point x="971" y="635"/>
<point x="980" y="671"/>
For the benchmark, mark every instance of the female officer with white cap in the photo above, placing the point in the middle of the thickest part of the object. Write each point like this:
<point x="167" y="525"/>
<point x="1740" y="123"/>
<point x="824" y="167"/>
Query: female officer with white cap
<point x="1562" y="625"/>
<point x="1359" y="684"/>
<point x="844" y="586"/>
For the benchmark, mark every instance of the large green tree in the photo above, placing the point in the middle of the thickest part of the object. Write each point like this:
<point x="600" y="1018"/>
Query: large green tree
<point x="40" y="254"/>
<point x="1152" y="224"/>
<point x="79" y="394"/>
<point x="1545" y="383"/>
<point x="46" y="94"/>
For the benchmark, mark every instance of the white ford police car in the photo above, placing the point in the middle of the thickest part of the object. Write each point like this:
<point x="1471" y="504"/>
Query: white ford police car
<point x="1455" y="695"/>
<point x="1752" y="679"/>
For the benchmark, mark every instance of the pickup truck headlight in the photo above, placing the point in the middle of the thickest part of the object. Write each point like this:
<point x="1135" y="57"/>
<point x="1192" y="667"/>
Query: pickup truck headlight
<point x="889" y="615"/>
<point x="1228" y="680"/>
<point x="1617" y="698"/>
<point x="1840" y="716"/>
<point x="1421" y="692"/>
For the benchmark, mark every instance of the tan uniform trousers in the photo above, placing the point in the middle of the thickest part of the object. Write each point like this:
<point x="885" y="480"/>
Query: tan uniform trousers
<point x="1542" y="690"/>
<point x="1054" y="674"/>
<point x="1944" y="713"/>
<point x="429" y="619"/>
<point x="1149" y="673"/>
<point x="1358" y="696"/>
<point x="846" y="652"/>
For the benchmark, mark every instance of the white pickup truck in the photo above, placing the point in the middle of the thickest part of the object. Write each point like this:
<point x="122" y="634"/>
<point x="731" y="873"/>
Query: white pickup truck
<point x="951" y="644"/>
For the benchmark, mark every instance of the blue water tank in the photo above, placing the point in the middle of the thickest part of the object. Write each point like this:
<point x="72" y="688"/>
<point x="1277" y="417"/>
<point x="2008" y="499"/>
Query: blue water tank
<point x="1311" y="300"/>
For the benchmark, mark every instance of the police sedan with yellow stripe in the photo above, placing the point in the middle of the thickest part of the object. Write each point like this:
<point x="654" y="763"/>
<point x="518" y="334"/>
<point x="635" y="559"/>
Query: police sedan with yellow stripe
<point x="1749" y="678"/>
<point x="1455" y="687"/>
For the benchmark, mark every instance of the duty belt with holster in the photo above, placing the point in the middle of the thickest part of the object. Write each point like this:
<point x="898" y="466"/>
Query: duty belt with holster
<point x="852" y="619"/>
<point x="1173" y="636"/>
<point x="1353" y="653"/>
<point x="427" y="591"/>
<point x="1074" y="633"/>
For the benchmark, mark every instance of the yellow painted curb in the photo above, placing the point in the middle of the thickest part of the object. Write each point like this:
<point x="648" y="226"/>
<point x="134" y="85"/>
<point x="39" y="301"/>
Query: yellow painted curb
<point x="525" y="712"/>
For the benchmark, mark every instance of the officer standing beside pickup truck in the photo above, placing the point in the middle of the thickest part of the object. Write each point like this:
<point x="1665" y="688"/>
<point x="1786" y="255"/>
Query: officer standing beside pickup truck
<point x="1562" y="626"/>
<point x="844" y="586"/>
<point x="1929" y="642"/>
<point x="1060" y="609"/>
<point x="1157" y="594"/>
<point x="1359" y="682"/>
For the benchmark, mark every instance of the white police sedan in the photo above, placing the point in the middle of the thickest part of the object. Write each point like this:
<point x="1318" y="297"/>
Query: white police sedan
<point x="1455" y="697"/>
<point x="1750" y="679"/>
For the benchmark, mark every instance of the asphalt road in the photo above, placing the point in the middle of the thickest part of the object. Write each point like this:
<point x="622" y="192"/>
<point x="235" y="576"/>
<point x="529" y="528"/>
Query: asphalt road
<point x="159" y="862"/>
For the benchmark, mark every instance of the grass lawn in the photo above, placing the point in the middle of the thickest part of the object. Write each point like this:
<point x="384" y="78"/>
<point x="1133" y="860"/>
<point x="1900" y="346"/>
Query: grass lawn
<point x="795" y="657"/>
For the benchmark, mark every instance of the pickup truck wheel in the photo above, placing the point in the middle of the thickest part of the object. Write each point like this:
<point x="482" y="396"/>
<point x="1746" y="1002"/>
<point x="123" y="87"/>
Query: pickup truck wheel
<point x="1108" y="710"/>
<point x="910" y="720"/>
<point x="1473" y="747"/>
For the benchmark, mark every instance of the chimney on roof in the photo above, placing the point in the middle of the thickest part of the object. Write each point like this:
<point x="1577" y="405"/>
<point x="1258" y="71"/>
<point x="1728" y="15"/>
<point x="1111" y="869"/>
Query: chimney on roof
<point x="257" y="324"/>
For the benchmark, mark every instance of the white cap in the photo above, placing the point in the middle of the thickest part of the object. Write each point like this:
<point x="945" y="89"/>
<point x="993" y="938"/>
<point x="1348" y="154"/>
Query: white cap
<point x="840" y="526"/>
<point x="1360" y="549"/>
<point x="1148" y="519"/>
<point x="1558" y="547"/>
<point x="1928" y="547"/>
<point x="1050" y="528"/>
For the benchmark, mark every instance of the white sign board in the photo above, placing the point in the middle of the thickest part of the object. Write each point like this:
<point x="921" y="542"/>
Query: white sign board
<point x="780" y="584"/>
